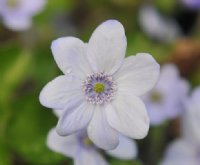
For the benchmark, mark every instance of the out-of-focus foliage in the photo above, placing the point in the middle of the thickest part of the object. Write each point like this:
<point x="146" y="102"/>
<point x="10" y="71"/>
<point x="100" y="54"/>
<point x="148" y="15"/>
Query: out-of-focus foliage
<point x="27" y="64"/>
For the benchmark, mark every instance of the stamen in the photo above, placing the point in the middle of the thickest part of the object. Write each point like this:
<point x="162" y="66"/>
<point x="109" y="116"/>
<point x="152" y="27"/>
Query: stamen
<point x="12" y="3"/>
<point x="156" y="96"/>
<point x="99" y="88"/>
<point x="87" y="141"/>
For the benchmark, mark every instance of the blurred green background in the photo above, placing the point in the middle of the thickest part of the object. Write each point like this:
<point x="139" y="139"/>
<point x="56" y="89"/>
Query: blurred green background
<point x="27" y="64"/>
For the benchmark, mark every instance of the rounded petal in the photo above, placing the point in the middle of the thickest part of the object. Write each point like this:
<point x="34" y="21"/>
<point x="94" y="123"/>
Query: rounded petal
<point x="127" y="114"/>
<point x="75" y="119"/>
<point x="127" y="149"/>
<point x="58" y="112"/>
<point x="107" y="47"/>
<point x="62" y="92"/>
<point x="17" y="23"/>
<point x="31" y="7"/>
<point x="70" y="56"/>
<point x="138" y="74"/>
<point x="65" y="145"/>
<point x="155" y="114"/>
<point x="89" y="157"/>
<point x="181" y="152"/>
<point x="100" y="132"/>
<point x="191" y="118"/>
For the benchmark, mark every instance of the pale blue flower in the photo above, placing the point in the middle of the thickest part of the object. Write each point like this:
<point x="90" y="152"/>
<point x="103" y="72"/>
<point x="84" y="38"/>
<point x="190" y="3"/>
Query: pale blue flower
<point x="182" y="152"/>
<point x="156" y="26"/>
<point x="79" y="147"/>
<point x="191" y="118"/>
<point x="165" y="100"/>
<point x="100" y="89"/>
<point x="17" y="14"/>
<point x="186" y="149"/>
<point x="193" y="4"/>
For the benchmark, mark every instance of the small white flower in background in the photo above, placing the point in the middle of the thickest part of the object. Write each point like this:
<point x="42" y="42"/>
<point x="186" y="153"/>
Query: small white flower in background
<point x="156" y="26"/>
<point x="191" y="118"/>
<point x="17" y="14"/>
<point x="79" y="147"/>
<point x="182" y="152"/>
<point x="100" y="89"/>
<point x="165" y="100"/>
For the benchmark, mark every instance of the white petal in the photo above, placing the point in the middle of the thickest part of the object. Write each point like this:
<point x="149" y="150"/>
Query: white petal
<point x="100" y="132"/>
<point x="191" y="119"/>
<point x="58" y="112"/>
<point x="160" y="28"/>
<point x="182" y="161"/>
<point x="89" y="157"/>
<point x="70" y="56"/>
<point x="62" y="92"/>
<point x="107" y="47"/>
<point x="127" y="114"/>
<point x="17" y="23"/>
<point x="31" y="7"/>
<point x="65" y="145"/>
<point x="138" y="74"/>
<point x="127" y="149"/>
<point x="156" y="114"/>
<point x="181" y="152"/>
<point x="75" y="119"/>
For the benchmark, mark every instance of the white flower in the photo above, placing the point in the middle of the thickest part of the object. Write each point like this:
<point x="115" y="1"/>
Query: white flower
<point x="165" y="100"/>
<point x="80" y="148"/>
<point x="17" y="14"/>
<point x="100" y="89"/>
<point x="156" y="26"/>
<point x="191" y="118"/>
<point x="182" y="152"/>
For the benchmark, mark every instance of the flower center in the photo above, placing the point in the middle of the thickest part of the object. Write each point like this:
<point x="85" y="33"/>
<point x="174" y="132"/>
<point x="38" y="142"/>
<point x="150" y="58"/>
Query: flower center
<point x="87" y="142"/>
<point x="12" y="3"/>
<point x="156" y="97"/>
<point x="99" y="88"/>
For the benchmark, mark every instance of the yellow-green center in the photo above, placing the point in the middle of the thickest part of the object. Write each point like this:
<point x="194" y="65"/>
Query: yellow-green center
<point x="156" y="97"/>
<point x="87" y="142"/>
<point x="99" y="88"/>
<point x="12" y="3"/>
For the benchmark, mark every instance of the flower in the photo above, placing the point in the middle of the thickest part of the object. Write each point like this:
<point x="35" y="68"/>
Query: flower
<point x="191" y="118"/>
<point x="17" y="14"/>
<point x="186" y="149"/>
<point x="156" y="26"/>
<point x="193" y="4"/>
<point x="183" y="152"/>
<point x="80" y="148"/>
<point x="100" y="90"/>
<point x="166" y="99"/>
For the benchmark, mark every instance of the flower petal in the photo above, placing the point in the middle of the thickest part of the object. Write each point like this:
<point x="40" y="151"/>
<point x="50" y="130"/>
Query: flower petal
<point x="127" y="149"/>
<point x="17" y="22"/>
<point x="191" y="118"/>
<point x="100" y="132"/>
<point x="75" y="119"/>
<point x="89" y="157"/>
<point x="70" y="56"/>
<point x="127" y="114"/>
<point x="62" y="92"/>
<point x="138" y="74"/>
<point x="65" y="145"/>
<point x="181" y="152"/>
<point x="32" y="7"/>
<point x="107" y="47"/>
